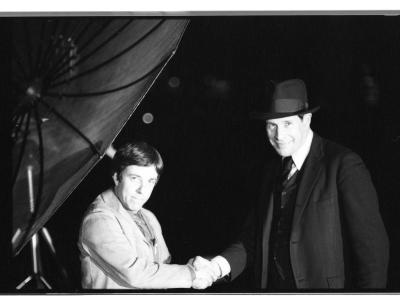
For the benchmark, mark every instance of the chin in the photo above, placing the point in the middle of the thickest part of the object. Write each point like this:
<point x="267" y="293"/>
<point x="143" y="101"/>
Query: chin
<point x="134" y="208"/>
<point x="282" y="153"/>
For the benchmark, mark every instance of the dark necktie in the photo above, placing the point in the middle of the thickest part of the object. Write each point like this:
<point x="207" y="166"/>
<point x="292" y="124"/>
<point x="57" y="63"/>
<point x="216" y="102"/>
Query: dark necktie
<point x="286" y="168"/>
<point x="143" y="226"/>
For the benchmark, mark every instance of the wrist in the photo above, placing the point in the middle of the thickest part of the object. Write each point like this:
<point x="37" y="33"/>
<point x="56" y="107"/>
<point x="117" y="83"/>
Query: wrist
<point x="222" y="264"/>
<point x="217" y="269"/>
<point x="192" y="272"/>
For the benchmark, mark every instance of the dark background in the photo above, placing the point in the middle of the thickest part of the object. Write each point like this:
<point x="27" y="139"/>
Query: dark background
<point x="213" y="153"/>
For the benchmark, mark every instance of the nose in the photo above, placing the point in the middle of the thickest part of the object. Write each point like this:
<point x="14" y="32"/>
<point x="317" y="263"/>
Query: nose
<point x="139" y="189"/>
<point x="279" y="133"/>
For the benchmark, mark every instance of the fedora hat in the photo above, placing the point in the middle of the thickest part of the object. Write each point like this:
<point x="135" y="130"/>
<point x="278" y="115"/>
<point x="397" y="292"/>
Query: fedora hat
<point x="289" y="98"/>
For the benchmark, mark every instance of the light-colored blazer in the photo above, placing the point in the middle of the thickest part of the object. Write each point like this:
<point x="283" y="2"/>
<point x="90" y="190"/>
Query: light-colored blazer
<point x="116" y="255"/>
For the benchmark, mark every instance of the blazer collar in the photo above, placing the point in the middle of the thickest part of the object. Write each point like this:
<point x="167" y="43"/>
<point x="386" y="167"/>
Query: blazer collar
<point x="111" y="201"/>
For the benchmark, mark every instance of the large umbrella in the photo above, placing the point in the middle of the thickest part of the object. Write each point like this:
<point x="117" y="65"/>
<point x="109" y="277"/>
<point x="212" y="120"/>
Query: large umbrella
<point x="77" y="82"/>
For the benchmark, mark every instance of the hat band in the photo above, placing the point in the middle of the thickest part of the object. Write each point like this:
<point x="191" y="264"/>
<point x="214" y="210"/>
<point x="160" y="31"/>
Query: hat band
<point x="288" y="105"/>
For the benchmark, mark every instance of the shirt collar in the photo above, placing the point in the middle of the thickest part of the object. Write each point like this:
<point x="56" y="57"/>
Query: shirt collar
<point x="300" y="155"/>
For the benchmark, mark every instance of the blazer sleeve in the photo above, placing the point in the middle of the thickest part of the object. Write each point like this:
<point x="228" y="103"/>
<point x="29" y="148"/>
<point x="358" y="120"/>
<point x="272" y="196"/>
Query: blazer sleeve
<point x="367" y="236"/>
<point x="241" y="253"/>
<point x="104" y="240"/>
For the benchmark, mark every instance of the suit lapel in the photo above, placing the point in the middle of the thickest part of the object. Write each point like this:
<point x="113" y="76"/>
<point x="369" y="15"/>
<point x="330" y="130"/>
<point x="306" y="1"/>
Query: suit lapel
<point x="311" y="172"/>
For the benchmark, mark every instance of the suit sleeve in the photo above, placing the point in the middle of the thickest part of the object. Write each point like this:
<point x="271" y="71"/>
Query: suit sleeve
<point x="105" y="242"/>
<point x="240" y="253"/>
<point x="367" y="235"/>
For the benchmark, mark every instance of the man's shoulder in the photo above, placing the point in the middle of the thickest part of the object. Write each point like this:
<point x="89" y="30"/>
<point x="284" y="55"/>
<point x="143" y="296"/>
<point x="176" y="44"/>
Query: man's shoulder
<point x="98" y="215"/>
<point x="333" y="150"/>
<point x="101" y="204"/>
<point x="149" y="214"/>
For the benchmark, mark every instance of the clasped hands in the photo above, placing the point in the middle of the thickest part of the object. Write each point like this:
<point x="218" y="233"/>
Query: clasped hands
<point x="206" y="271"/>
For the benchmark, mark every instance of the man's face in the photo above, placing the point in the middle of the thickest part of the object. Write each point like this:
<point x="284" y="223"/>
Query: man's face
<point x="135" y="186"/>
<point x="288" y="134"/>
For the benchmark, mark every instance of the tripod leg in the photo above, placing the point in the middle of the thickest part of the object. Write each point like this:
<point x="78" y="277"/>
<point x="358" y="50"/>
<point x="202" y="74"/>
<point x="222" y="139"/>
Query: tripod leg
<point x="35" y="253"/>
<point x="23" y="283"/>
<point x="34" y="246"/>
<point x="47" y="237"/>
<point x="45" y="282"/>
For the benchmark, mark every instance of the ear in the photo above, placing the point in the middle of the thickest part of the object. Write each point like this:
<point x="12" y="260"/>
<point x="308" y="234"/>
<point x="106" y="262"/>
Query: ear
<point x="307" y="118"/>
<point x="115" y="179"/>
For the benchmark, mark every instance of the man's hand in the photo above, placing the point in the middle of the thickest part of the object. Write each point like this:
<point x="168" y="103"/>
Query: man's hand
<point x="110" y="152"/>
<point x="206" y="272"/>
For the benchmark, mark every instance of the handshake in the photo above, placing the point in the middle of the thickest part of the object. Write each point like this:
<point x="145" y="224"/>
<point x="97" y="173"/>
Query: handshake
<point x="206" y="272"/>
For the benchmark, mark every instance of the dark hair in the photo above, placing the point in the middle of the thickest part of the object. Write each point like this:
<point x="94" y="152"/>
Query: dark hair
<point x="138" y="154"/>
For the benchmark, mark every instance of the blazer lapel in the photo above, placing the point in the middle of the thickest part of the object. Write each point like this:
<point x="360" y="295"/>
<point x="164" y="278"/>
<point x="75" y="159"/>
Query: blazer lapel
<point x="312" y="169"/>
<point x="129" y="227"/>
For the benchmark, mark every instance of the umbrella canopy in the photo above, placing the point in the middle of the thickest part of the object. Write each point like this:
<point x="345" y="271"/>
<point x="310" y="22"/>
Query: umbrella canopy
<point x="77" y="82"/>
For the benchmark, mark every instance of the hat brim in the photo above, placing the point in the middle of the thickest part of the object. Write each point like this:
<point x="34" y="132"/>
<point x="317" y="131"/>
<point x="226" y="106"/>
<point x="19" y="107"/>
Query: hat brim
<point x="273" y="115"/>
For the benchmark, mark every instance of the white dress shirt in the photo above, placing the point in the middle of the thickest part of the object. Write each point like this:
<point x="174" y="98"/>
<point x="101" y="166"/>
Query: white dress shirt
<point x="300" y="155"/>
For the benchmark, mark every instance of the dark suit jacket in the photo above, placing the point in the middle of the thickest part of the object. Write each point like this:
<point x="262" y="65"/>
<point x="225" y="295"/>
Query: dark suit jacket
<point x="338" y="239"/>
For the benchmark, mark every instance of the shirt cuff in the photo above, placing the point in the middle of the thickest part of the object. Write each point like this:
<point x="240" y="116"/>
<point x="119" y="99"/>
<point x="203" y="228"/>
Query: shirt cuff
<point x="223" y="264"/>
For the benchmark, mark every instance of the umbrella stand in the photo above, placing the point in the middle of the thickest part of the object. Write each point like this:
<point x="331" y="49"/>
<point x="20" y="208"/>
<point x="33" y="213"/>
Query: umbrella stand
<point x="37" y="275"/>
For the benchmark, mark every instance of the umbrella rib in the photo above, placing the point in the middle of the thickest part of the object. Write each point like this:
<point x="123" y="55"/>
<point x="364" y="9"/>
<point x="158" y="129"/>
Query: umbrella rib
<point x="47" y="52"/>
<point x="60" y="39"/>
<point x="97" y="93"/>
<point x="55" y="41"/>
<point x="83" y="31"/>
<point x="112" y="58"/>
<point x="62" y="60"/>
<point x="14" y="178"/>
<point x="41" y="165"/>
<point x="17" y="121"/>
<point x="114" y="35"/>
<point x="70" y="124"/>
<point x="74" y="31"/>
<point x="98" y="32"/>
<point x="95" y="34"/>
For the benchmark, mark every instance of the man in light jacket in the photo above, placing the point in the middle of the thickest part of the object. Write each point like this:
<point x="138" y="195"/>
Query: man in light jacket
<point x="121" y="243"/>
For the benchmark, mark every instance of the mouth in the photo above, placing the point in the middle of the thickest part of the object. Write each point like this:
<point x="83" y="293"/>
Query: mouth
<point x="281" y="144"/>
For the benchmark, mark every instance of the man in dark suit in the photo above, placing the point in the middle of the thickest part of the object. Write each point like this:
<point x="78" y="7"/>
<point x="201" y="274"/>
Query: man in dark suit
<point x="317" y="223"/>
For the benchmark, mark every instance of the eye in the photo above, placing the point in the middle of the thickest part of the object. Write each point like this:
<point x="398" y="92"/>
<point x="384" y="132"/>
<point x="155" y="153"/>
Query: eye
<point x="271" y="127"/>
<point x="287" y="123"/>
<point x="153" y="181"/>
